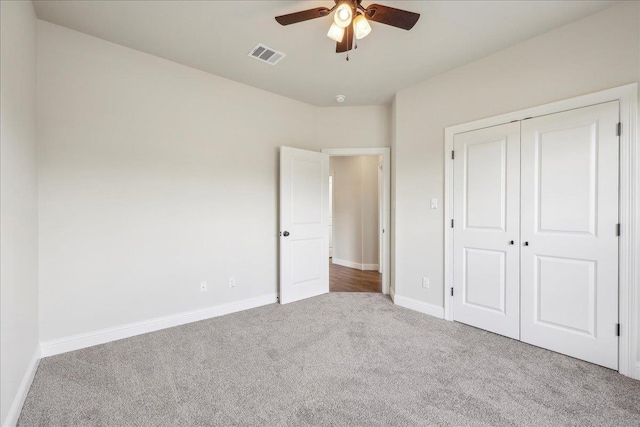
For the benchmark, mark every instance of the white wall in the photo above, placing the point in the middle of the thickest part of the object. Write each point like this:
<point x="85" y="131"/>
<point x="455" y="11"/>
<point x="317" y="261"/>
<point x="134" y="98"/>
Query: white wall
<point x="595" y="53"/>
<point x="355" y="209"/>
<point x="155" y="177"/>
<point x="354" y="127"/>
<point x="18" y="205"/>
<point x="637" y="318"/>
<point x="370" y="207"/>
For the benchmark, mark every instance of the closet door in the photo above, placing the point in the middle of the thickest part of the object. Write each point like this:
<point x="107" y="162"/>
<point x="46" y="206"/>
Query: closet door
<point x="569" y="262"/>
<point x="486" y="215"/>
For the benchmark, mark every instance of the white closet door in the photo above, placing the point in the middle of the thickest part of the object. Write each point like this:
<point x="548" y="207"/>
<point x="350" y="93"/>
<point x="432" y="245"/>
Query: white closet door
<point x="486" y="200"/>
<point x="569" y="262"/>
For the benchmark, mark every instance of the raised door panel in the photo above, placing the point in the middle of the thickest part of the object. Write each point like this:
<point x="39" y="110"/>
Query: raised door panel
<point x="565" y="294"/>
<point x="566" y="179"/>
<point x="484" y="281"/>
<point x="306" y="192"/>
<point x="485" y="184"/>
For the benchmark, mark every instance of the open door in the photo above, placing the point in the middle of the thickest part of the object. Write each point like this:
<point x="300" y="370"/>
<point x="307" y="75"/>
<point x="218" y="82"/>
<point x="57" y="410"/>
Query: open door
<point x="304" y="224"/>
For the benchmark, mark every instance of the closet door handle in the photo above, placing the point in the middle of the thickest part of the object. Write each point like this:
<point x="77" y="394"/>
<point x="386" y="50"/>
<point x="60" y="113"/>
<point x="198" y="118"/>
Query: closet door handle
<point x="526" y="243"/>
<point x="511" y="242"/>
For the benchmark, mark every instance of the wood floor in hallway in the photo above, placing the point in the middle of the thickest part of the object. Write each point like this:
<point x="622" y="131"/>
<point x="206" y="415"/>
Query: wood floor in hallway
<point x="345" y="279"/>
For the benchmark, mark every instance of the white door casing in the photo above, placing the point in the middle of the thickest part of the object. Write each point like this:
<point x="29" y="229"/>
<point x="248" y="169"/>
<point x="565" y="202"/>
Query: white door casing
<point x="381" y="246"/>
<point x="385" y="243"/>
<point x="486" y="233"/>
<point x="330" y="216"/>
<point x="304" y="224"/>
<point x="569" y="266"/>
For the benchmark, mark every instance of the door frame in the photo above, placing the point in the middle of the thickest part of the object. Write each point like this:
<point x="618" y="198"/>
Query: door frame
<point x="385" y="247"/>
<point x="331" y="213"/>
<point x="629" y="211"/>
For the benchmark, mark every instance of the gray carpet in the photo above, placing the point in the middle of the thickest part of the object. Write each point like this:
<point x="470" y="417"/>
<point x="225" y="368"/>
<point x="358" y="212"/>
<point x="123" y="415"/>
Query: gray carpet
<point x="338" y="359"/>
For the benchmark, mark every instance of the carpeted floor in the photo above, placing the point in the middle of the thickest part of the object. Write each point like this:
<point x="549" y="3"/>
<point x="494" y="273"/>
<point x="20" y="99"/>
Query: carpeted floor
<point x="338" y="359"/>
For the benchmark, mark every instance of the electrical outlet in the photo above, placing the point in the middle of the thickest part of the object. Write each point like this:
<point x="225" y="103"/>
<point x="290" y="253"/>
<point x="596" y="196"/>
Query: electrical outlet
<point x="434" y="203"/>
<point x="203" y="286"/>
<point x="425" y="282"/>
<point x="232" y="282"/>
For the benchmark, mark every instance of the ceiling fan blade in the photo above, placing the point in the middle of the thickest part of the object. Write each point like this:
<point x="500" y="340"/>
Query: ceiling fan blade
<point x="391" y="16"/>
<point x="347" y="41"/>
<point x="305" y="15"/>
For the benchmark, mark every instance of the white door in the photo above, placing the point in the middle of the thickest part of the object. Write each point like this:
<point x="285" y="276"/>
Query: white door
<point x="486" y="229"/>
<point x="304" y="224"/>
<point x="569" y="262"/>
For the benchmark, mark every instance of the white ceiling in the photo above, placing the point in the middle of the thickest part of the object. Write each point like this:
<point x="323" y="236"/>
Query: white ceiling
<point x="215" y="36"/>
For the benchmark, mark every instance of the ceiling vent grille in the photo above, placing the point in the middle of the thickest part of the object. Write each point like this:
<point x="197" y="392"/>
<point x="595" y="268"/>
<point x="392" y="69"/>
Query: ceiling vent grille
<point x="266" y="54"/>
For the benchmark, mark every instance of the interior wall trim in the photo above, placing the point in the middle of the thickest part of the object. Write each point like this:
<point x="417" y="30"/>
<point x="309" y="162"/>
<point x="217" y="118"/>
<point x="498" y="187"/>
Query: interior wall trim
<point x="23" y="390"/>
<point x="76" y="342"/>
<point x="420" y="306"/>
<point x="629" y="252"/>
<point x="356" y="265"/>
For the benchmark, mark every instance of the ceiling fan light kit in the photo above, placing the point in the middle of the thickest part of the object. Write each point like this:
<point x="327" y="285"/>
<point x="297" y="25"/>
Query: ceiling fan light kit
<point x="361" y="27"/>
<point x="336" y="32"/>
<point x="343" y="15"/>
<point x="345" y="26"/>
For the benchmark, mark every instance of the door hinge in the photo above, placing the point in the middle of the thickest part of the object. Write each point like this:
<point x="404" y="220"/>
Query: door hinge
<point x="453" y="155"/>
<point x="451" y="291"/>
<point x="619" y="129"/>
<point x="618" y="230"/>
<point x="451" y="223"/>
<point x="617" y="329"/>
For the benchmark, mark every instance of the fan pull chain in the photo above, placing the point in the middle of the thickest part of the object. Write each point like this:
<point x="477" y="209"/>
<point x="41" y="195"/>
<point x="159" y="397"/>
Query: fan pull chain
<point x="348" y="42"/>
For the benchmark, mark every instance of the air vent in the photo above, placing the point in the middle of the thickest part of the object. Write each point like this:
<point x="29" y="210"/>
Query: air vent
<point x="266" y="54"/>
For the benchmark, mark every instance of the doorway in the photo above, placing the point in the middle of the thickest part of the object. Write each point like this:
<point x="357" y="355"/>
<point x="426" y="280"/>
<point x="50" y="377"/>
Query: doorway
<point x="304" y="220"/>
<point x="359" y="187"/>
<point x="354" y="224"/>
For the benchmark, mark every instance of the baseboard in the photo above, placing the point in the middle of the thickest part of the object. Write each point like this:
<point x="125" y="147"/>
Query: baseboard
<point x="636" y="372"/>
<point x="16" y="407"/>
<point x="77" y="342"/>
<point x="422" y="307"/>
<point x="351" y="264"/>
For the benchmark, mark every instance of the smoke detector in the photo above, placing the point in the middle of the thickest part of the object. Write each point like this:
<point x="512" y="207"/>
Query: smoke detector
<point x="266" y="54"/>
<point x="340" y="98"/>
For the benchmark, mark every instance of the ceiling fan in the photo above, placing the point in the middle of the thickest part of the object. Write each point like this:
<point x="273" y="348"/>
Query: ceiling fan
<point x="351" y="18"/>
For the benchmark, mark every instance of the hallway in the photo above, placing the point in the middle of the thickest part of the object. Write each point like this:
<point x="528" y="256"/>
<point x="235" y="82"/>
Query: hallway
<point x="345" y="279"/>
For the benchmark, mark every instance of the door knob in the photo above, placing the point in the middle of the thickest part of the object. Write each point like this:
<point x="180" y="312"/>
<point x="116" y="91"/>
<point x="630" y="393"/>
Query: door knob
<point x="511" y="242"/>
<point x="526" y="243"/>
<point x="285" y="234"/>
